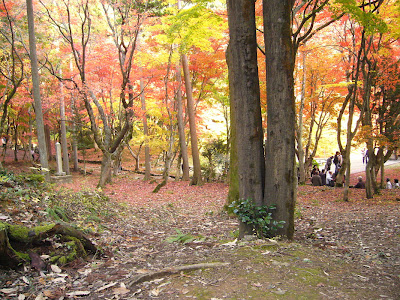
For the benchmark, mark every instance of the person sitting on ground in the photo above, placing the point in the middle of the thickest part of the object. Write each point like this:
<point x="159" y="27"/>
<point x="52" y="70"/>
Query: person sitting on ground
<point x="388" y="184"/>
<point x="329" y="179"/>
<point x="314" y="170"/>
<point x="396" y="184"/>
<point x="316" y="179"/>
<point x="360" y="184"/>
<point x="323" y="176"/>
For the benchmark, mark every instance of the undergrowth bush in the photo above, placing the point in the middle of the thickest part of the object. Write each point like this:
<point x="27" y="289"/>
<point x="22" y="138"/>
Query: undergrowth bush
<point x="259" y="217"/>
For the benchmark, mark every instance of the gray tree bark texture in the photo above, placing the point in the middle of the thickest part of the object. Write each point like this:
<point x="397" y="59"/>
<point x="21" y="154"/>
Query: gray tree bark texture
<point x="36" y="90"/>
<point x="147" y="164"/>
<point x="245" y="101"/>
<point x="181" y="127"/>
<point x="280" y="145"/>
<point x="196" y="180"/>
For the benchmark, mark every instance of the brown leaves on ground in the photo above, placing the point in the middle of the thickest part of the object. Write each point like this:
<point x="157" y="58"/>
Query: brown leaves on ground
<point x="346" y="250"/>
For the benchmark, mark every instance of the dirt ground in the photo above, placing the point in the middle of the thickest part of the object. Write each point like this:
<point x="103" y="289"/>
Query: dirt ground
<point x="181" y="244"/>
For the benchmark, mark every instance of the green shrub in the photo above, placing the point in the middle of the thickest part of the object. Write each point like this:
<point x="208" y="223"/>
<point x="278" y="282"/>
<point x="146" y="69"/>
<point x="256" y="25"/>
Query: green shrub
<point x="259" y="217"/>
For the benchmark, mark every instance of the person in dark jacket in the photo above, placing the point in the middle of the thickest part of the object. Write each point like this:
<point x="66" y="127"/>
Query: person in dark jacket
<point x="316" y="179"/>
<point x="360" y="184"/>
<point x="328" y="164"/>
<point x="323" y="177"/>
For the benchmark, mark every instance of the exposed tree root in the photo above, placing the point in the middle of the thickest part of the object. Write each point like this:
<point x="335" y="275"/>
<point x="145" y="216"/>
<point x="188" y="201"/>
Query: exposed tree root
<point x="173" y="270"/>
<point x="15" y="238"/>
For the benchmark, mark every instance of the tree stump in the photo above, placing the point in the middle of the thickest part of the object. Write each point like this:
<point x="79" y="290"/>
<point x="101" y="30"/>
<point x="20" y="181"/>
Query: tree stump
<point x="18" y="242"/>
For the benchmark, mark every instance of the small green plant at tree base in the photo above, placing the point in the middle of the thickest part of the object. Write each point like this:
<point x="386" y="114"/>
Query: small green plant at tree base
<point x="181" y="238"/>
<point x="259" y="217"/>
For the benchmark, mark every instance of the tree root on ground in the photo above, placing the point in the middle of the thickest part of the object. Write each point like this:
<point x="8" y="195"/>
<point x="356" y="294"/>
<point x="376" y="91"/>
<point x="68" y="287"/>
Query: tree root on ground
<point x="173" y="270"/>
<point x="17" y="243"/>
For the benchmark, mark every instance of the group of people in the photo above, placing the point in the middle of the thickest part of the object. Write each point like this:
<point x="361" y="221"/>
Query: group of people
<point x="361" y="184"/>
<point x="326" y="176"/>
<point x="390" y="186"/>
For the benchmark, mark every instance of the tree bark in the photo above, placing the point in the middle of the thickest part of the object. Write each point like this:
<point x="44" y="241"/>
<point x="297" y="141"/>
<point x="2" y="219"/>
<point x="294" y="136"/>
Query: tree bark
<point x="64" y="144"/>
<point x="12" y="236"/>
<point x="105" y="173"/>
<point x="233" y="175"/>
<point x="147" y="166"/>
<point x="300" y="150"/>
<point x="247" y="138"/>
<point x="36" y="91"/>
<point x="196" y="179"/>
<point x="181" y="128"/>
<point x="280" y="145"/>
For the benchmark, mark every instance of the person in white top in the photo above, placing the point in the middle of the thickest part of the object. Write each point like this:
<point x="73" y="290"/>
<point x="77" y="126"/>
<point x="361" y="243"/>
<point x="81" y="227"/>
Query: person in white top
<point x="329" y="179"/>
<point x="388" y="184"/>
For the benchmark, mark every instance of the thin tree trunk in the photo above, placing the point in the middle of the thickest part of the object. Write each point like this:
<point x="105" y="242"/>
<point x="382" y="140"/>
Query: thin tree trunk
<point x="135" y="157"/>
<point x="196" y="180"/>
<point x="181" y="128"/>
<point x="147" y="165"/>
<point x="300" y="150"/>
<point x="15" y="142"/>
<point x="36" y="91"/>
<point x="31" y="150"/>
<point x="48" y="142"/>
<point x="64" y="144"/>
<point x="74" y="138"/>
<point x="280" y="177"/>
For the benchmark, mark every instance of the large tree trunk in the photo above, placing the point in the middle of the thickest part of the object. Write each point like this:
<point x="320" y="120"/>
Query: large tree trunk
<point x="106" y="168"/>
<point x="196" y="180"/>
<point x="247" y="139"/>
<point x="281" y="121"/>
<point x="233" y="175"/>
<point x="36" y="91"/>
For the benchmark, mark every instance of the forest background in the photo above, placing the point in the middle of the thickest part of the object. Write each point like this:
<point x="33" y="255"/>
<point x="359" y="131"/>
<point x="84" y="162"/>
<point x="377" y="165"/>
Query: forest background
<point x="151" y="76"/>
<point x="148" y="80"/>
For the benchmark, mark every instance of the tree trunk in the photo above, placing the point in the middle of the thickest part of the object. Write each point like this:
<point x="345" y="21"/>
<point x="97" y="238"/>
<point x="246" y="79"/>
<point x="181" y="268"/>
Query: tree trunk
<point x="48" y="142"/>
<point x="106" y="168"/>
<point x="64" y="144"/>
<point x="369" y="172"/>
<point x="280" y="146"/>
<point x="147" y="165"/>
<point x="347" y="178"/>
<point x="181" y="128"/>
<point x="30" y="145"/>
<point x="300" y="150"/>
<point x="247" y="137"/>
<point x="233" y="175"/>
<point x="36" y="91"/>
<point x="15" y="142"/>
<point x="74" y="137"/>
<point x="196" y="180"/>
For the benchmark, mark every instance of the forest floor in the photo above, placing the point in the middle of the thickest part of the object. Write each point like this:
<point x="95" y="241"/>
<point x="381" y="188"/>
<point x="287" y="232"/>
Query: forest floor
<point x="341" y="250"/>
